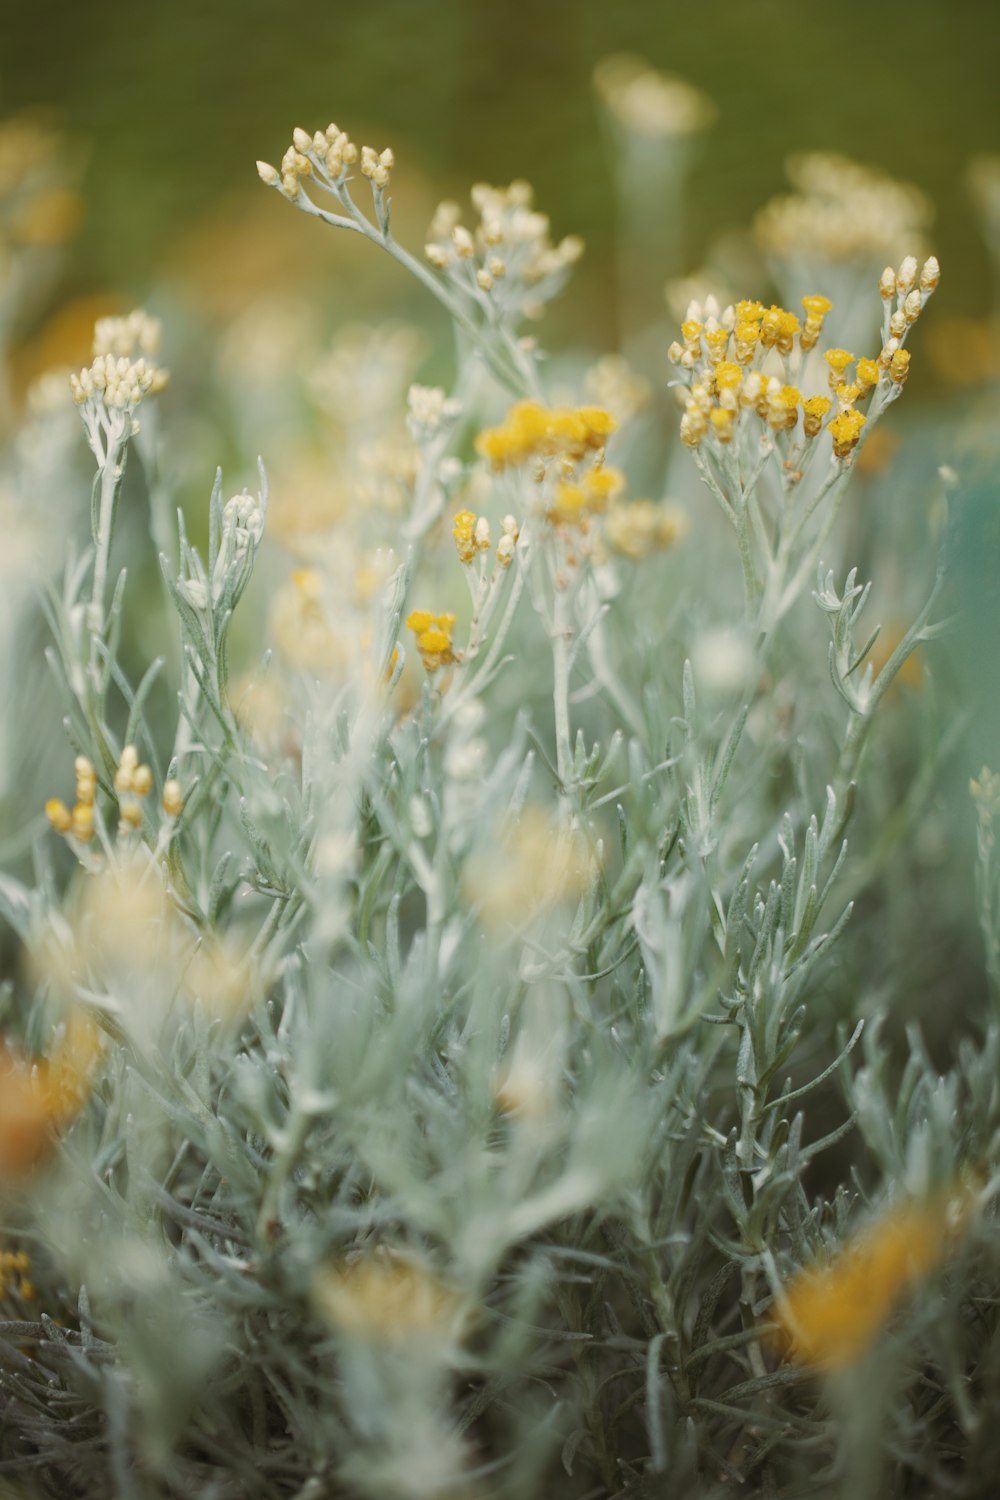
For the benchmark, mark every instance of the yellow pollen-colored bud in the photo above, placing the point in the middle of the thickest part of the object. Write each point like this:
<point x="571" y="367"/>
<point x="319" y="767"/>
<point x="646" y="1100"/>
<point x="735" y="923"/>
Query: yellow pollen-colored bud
<point x="419" y="620"/>
<point x="434" y="639"/>
<point x="173" y="798"/>
<point x="749" y="312"/>
<point x="845" y="430"/>
<point x="728" y="375"/>
<point x="59" y="815"/>
<point x="723" y="422"/>
<point x="782" y="407"/>
<point x="82" y="819"/>
<point x="899" y="366"/>
<point x="867" y="372"/>
<point x="816" y="306"/>
<point x="813" y="411"/>
<point x="463" y="530"/>
<point x="838" y="360"/>
<point x="847" y="395"/>
<point x="131" y="814"/>
<point x="602" y="485"/>
<point x="142" y="781"/>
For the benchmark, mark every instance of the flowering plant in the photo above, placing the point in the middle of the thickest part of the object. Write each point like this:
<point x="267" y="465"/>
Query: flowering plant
<point x="432" y="1054"/>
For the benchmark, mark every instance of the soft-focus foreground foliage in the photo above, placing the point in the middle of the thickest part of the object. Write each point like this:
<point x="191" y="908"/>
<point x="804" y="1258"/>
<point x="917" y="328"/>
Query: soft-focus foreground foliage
<point x="453" y="1044"/>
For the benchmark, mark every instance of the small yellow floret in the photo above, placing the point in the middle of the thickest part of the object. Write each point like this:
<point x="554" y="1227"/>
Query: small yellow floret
<point x="845" y="429"/>
<point x="867" y="372"/>
<point x="464" y="531"/>
<point x="899" y="366"/>
<point x="173" y="798"/>
<point x="59" y="815"/>
<point x="813" y="411"/>
<point x="434" y="640"/>
<point x="838" y="361"/>
<point x="728" y="375"/>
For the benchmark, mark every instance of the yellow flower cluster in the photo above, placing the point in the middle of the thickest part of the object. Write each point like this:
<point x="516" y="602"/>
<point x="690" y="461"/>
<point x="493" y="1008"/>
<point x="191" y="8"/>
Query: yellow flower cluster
<point x="132" y="783"/>
<point x="434" y="637"/>
<point x="640" y="527"/>
<point x="80" y="820"/>
<point x="725" y="361"/>
<point x="831" y="1314"/>
<point x="40" y="1095"/>
<point x="531" y="430"/>
<point x="384" y="1296"/>
<point x="574" y="499"/>
<point x="16" y="1263"/>
<point x="472" y="535"/>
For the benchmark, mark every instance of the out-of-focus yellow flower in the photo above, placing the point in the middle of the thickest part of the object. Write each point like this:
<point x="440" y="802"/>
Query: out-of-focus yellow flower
<point x="535" y="866"/>
<point x="388" y="1297"/>
<point x="832" y="1313"/>
<point x="531" y="430"/>
<point x="41" y="1096"/>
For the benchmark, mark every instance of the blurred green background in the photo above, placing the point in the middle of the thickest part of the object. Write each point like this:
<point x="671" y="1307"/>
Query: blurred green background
<point x="175" y="101"/>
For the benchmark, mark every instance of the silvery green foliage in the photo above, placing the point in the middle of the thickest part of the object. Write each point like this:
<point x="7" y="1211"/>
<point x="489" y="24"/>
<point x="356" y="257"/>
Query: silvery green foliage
<point x="595" y="1133"/>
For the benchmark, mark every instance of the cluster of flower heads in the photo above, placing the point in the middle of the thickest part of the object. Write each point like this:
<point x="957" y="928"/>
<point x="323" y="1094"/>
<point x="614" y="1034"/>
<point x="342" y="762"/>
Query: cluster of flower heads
<point x="39" y="1096"/>
<point x="649" y="103"/>
<point x="638" y="528"/>
<point x="434" y="637"/>
<point x="832" y="1313"/>
<point x="329" y="153"/>
<point x="564" y="443"/>
<point x="132" y="783"/>
<point x="509" y="256"/>
<point x="473" y="537"/>
<point x="842" y="211"/>
<point x="122" y="373"/>
<point x="15" y="1272"/>
<point x="726" y="357"/>
<point x="533" y="431"/>
<point x="78" y="821"/>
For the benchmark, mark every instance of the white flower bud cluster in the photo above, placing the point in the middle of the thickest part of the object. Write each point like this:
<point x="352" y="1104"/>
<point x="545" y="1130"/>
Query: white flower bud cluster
<point x="328" y="154"/>
<point x="242" y="530"/>
<point x="508" y="542"/>
<point x="138" y="333"/>
<point x="119" y="383"/>
<point x="113" y="386"/>
<point x="648" y="103"/>
<point x="430" y="409"/>
<point x="376" y="165"/>
<point x="910" y="287"/>
<point x="842" y="211"/>
<point x="510" y="255"/>
<point x="243" y="520"/>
